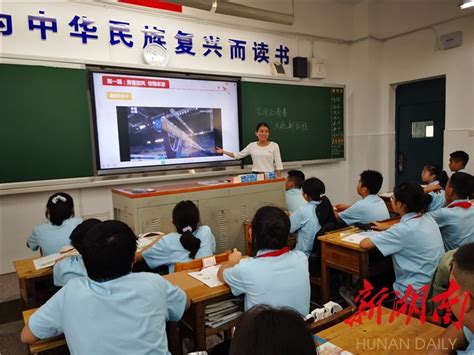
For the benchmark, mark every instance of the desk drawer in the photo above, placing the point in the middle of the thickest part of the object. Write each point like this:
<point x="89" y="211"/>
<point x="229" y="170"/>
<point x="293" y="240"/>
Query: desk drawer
<point x="341" y="258"/>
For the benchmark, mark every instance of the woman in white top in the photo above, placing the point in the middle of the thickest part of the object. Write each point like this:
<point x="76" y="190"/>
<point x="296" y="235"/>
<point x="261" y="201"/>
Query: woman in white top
<point x="265" y="154"/>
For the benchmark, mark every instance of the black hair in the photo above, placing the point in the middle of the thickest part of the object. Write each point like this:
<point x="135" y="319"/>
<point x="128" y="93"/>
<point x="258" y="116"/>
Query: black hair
<point x="262" y="124"/>
<point x="461" y="156"/>
<point x="462" y="184"/>
<point x="464" y="271"/>
<point x="412" y="195"/>
<point x="372" y="180"/>
<point x="60" y="207"/>
<point x="264" y="330"/>
<point x="296" y="177"/>
<point x="270" y="228"/>
<point x="186" y="220"/>
<point x="314" y="188"/>
<point x="80" y="231"/>
<point x="438" y="172"/>
<point x="108" y="250"/>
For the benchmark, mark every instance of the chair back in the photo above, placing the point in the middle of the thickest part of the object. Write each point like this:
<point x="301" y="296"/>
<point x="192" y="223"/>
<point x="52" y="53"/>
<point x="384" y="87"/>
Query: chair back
<point x="197" y="263"/>
<point x="338" y="317"/>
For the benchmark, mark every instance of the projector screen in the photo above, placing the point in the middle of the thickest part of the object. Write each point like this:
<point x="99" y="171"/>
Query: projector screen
<point x="148" y="122"/>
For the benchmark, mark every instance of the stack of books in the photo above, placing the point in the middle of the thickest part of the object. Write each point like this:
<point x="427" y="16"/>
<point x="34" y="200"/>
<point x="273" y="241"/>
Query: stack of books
<point x="220" y="313"/>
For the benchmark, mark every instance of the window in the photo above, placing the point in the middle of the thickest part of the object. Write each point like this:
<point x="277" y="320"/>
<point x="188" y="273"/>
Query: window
<point x="422" y="129"/>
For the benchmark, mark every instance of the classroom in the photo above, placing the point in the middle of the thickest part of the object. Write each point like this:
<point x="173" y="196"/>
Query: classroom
<point x="345" y="86"/>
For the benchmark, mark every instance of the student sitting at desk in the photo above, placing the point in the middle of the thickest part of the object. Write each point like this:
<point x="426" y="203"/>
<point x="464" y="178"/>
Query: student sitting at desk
<point x="415" y="243"/>
<point x="435" y="179"/>
<point x="456" y="220"/>
<point x="51" y="236"/>
<point x="112" y="311"/>
<point x="294" y="195"/>
<point x="275" y="276"/>
<point x="371" y="208"/>
<point x="72" y="266"/>
<point x="191" y="240"/>
<point x="307" y="220"/>
<point x="458" y="161"/>
<point x="462" y="273"/>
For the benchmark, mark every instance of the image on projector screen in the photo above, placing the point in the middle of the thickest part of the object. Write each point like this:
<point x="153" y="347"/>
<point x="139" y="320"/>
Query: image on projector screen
<point x="147" y="133"/>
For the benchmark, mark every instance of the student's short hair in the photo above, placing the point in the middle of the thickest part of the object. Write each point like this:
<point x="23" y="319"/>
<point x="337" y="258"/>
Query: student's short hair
<point x="261" y="124"/>
<point x="60" y="207"/>
<point x="462" y="184"/>
<point x="464" y="270"/>
<point x="412" y="195"/>
<point x="108" y="250"/>
<point x="296" y="177"/>
<point x="270" y="228"/>
<point x="78" y="233"/>
<point x="461" y="156"/>
<point x="264" y="330"/>
<point x="438" y="172"/>
<point x="372" y="180"/>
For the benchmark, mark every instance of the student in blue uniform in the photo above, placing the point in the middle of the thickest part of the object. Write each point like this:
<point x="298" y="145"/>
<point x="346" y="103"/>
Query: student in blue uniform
<point x="275" y="276"/>
<point x="435" y="180"/>
<point x="307" y="220"/>
<point x="112" y="311"/>
<point x="460" y="340"/>
<point x="415" y="243"/>
<point x="191" y="240"/>
<point x="72" y="266"/>
<point x="371" y="208"/>
<point x="456" y="220"/>
<point x="51" y="236"/>
<point x="294" y="195"/>
<point x="458" y="161"/>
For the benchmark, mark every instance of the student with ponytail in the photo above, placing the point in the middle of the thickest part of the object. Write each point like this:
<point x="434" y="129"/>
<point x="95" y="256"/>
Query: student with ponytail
<point x="51" y="236"/>
<point x="456" y="220"/>
<point x="435" y="179"/>
<point x="415" y="243"/>
<point x="190" y="242"/>
<point x="307" y="220"/>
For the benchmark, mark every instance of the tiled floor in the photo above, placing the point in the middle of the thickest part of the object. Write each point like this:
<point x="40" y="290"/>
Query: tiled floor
<point x="9" y="287"/>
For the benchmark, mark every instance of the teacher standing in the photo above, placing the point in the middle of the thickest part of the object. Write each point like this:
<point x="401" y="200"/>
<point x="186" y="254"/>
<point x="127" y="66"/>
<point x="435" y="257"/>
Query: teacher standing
<point x="265" y="154"/>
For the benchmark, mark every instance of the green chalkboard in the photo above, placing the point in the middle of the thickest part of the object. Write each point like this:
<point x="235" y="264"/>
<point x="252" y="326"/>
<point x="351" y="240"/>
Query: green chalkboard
<point x="306" y="121"/>
<point x="44" y="118"/>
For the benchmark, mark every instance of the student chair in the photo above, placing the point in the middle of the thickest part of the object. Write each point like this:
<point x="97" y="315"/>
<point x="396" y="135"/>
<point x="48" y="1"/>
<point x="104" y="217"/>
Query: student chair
<point x="197" y="263"/>
<point x="338" y="317"/>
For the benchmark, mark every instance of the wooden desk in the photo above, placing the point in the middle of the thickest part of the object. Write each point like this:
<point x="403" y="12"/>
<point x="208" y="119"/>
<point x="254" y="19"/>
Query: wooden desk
<point x="29" y="278"/>
<point x="344" y="256"/>
<point x="200" y="295"/>
<point x="46" y="344"/>
<point x="383" y="339"/>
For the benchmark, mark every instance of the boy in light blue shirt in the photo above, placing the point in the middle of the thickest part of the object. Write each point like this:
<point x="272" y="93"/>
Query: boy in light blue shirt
<point x="371" y="208"/>
<point x="112" y="311"/>
<point x="72" y="266"/>
<point x="458" y="161"/>
<point x="276" y="276"/>
<point x="51" y="236"/>
<point x="190" y="242"/>
<point x="456" y="220"/>
<point x="415" y="243"/>
<point x="294" y="195"/>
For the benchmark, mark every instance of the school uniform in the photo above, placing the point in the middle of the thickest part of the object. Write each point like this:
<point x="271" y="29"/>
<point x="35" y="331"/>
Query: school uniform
<point x="305" y="222"/>
<point x="294" y="199"/>
<point x="169" y="250"/>
<point x="437" y="199"/>
<point x="51" y="238"/>
<point x="371" y="208"/>
<point x="68" y="269"/>
<point x="416" y="247"/>
<point x="126" y="315"/>
<point x="470" y="340"/>
<point x="278" y="281"/>
<point x="456" y="222"/>
<point x="264" y="159"/>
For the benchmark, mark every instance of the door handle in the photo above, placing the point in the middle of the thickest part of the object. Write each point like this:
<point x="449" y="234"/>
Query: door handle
<point x="401" y="162"/>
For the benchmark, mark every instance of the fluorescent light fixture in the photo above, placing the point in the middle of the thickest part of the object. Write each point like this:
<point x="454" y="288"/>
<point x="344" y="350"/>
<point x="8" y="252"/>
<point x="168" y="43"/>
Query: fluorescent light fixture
<point x="467" y="4"/>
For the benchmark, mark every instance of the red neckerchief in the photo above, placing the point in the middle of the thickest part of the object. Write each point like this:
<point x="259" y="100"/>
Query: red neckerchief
<point x="462" y="204"/>
<point x="274" y="253"/>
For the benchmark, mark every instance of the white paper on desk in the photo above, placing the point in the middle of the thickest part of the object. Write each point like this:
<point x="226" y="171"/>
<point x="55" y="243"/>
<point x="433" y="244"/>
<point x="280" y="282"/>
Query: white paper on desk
<point x="144" y="242"/>
<point x="46" y="261"/>
<point x="207" y="276"/>
<point x="355" y="238"/>
<point x="386" y="194"/>
<point x="329" y="348"/>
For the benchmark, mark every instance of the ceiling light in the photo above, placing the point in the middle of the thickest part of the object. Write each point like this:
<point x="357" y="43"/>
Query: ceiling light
<point x="466" y="4"/>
